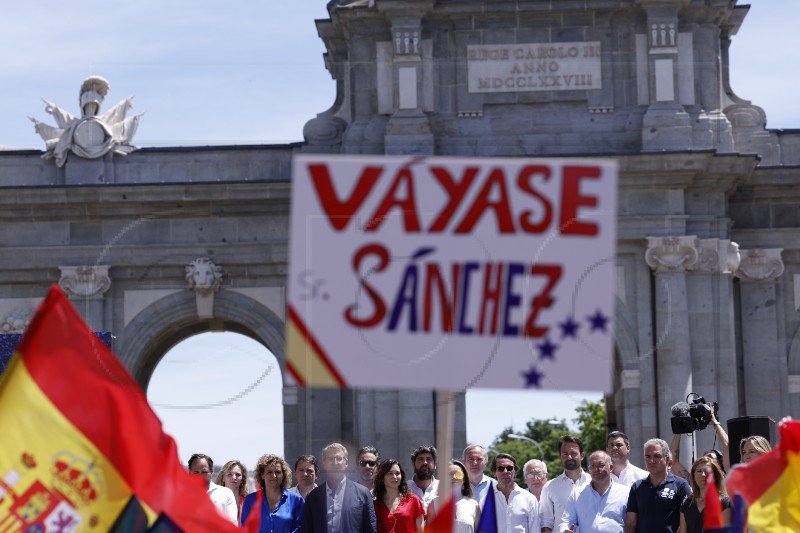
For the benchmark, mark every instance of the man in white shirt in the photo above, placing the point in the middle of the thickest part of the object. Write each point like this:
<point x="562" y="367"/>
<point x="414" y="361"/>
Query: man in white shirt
<point x="474" y="458"/>
<point x="556" y="491"/>
<point x="618" y="447"/>
<point x="423" y="484"/>
<point x="600" y="506"/>
<point x="517" y="509"/>
<point x="222" y="497"/>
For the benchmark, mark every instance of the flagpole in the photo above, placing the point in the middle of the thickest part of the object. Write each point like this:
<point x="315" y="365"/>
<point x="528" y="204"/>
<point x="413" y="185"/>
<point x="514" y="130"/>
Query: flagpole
<point x="445" y="415"/>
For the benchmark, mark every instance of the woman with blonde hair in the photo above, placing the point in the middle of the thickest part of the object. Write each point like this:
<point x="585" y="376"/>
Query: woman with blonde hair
<point x="280" y="510"/>
<point x="693" y="506"/>
<point x="233" y="475"/>
<point x="752" y="447"/>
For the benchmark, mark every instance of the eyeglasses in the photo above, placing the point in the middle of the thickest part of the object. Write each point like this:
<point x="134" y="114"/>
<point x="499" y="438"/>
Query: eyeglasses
<point x="597" y="466"/>
<point x="505" y="469"/>
<point x="536" y="475"/>
<point x="367" y="463"/>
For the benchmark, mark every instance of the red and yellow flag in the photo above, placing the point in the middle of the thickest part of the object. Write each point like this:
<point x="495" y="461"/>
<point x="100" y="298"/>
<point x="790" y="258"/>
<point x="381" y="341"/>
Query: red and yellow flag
<point x="78" y="440"/>
<point x="770" y="484"/>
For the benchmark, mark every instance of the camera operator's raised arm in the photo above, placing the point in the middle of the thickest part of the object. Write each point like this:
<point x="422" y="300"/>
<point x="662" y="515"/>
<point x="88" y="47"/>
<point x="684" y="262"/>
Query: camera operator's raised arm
<point x="724" y="440"/>
<point x="675" y="447"/>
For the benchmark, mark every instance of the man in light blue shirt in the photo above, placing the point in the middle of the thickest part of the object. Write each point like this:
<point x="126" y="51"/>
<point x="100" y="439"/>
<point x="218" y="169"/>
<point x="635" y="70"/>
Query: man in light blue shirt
<point x="474" y="458"/>
<point x="599" y="506"/>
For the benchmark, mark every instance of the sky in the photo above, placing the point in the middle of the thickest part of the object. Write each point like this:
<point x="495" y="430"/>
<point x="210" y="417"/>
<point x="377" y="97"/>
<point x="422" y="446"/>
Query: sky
<point x="251" y="71"/>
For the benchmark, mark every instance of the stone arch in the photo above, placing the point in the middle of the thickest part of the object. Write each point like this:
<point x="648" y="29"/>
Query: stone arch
<point x="171" y="319"/>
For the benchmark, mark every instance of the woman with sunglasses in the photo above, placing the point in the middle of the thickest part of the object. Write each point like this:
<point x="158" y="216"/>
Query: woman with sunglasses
<point x="468" y="512"/>
<point x="397" y="510"/>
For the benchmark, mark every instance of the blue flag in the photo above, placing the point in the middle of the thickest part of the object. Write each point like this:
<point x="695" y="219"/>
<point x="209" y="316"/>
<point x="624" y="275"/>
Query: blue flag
<point x="488" y="521"/>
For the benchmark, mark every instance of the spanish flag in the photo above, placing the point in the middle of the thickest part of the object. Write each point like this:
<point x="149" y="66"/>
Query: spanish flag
<point x="770" y="484"/>
<point x="80" y="448"/>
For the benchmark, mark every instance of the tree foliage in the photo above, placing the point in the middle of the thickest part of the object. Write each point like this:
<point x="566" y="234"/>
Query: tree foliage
<point x="591" y="428"/>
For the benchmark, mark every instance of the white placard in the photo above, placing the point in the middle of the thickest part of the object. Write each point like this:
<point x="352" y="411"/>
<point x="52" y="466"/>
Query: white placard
<point x="446" y="273"/>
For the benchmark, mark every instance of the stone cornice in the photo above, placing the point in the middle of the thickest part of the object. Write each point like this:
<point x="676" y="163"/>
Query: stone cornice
<point x="688" y="253"/>
<point x="85" y="281"/>
<point x="760" y="264"/>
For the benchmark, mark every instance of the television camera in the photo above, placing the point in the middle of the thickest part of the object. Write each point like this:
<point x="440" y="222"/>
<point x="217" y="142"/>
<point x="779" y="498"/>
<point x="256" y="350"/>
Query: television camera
<point x="692" y="416"/>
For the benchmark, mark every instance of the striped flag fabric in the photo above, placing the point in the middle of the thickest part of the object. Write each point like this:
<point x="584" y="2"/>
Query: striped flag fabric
<point x="442" y="522"/>
<point x="770" y="484"/>
<point x="81" y="448"/>
<point x="488" y="520"/>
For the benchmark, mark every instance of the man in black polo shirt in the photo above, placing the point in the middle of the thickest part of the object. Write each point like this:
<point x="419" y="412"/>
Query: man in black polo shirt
<point x="654" y="504"/>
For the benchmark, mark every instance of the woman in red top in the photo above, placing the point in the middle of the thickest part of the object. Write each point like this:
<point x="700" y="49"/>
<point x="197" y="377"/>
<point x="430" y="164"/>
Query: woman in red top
<point x="398" y="510"/>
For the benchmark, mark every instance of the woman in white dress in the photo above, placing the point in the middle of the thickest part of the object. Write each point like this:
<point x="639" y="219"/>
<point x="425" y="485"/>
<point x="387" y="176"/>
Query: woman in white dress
<point x="467" y="509"/>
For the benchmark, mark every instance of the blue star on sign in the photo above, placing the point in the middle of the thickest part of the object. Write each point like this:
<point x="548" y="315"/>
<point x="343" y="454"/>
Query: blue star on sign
<point x="532" y="377"/>
<point x="569" y="328"/>
<point x="547" y="350"/>
<point x="598" y="321"/>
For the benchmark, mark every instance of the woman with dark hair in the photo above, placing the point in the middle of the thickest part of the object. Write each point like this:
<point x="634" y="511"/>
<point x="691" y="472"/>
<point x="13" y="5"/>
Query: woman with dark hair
<point x="233" y="475"/>
<point x="468" y="511"/>
<point x="281" y="510"/>
<point x="693" y="506"/>
<point x="397" y="510"/>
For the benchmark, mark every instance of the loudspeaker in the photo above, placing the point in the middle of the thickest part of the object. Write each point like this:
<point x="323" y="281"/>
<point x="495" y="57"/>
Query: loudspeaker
<point x="744" y="426"/>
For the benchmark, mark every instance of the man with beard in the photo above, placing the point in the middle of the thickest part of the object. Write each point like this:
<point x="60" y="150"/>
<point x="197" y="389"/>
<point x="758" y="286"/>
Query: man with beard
<point x="618" y="447"/>
<point x="366" y="462"/>
<point x="600" y="506"/>
<point x="556" y="491"/>
<point x="423" y="484"/>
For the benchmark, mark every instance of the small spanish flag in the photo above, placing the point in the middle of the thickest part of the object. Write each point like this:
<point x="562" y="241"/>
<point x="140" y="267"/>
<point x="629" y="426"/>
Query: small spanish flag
<point x="81" y="449"/>
<point x="770" y="484"/>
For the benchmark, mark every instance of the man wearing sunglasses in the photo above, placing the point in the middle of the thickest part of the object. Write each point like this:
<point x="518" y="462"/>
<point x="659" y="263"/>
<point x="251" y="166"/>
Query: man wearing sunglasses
<point x="366" y="463"/>
<point x="517" y="509"/>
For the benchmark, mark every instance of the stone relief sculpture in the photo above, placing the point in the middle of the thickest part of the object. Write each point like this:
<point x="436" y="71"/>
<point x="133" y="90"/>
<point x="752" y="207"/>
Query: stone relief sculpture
<point x="90" y="136"/>
<point x="203" y="276"/>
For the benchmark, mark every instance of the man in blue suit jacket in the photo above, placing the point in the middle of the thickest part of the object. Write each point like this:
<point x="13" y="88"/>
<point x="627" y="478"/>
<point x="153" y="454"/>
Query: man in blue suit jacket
<point x="339" y="505"/>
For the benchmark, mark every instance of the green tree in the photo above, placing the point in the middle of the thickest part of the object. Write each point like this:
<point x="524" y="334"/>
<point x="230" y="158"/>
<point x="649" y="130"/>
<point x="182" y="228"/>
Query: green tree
<point x="592" y="425"/>
<point x="591" y="428"/>
<point x="544" y="432"/>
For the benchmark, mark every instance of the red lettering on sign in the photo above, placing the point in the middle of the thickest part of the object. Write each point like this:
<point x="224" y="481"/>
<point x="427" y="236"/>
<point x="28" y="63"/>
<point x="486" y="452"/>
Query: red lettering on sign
<point x="340" y="212"/>
<point x="380" y="308"/>
<point x="501" y="207"/>
<point x="455" y="193"/>
<point x="406" y="203"/>
<point x="524" y="182"/>
<point x="572" y="199"/>
<point x="542" y="300"/>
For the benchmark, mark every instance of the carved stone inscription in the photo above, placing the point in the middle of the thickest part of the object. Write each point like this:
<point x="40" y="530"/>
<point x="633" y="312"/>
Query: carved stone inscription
<point x="507" y="68"/>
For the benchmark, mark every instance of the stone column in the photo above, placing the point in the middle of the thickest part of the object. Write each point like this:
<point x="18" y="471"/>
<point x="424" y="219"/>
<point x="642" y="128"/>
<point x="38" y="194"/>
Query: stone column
<point x="85" y="287"/>
<point x="669" y="257"/>
<point x="408" y="131"/>
<point x="666" y="124"/>
<point x="763" y="356"/>
<point x="712" y="330"/>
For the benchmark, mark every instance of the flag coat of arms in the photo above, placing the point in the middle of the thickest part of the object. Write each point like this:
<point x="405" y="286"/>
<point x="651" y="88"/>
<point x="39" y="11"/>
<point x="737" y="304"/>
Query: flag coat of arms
<point x="80" y="442"/>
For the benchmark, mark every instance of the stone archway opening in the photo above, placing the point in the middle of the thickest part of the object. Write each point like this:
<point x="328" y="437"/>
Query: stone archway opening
<point x="220" y="393"/>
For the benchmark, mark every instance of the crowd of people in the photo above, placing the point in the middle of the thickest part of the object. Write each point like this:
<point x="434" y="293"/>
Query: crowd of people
<point x="612" y="496"/>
